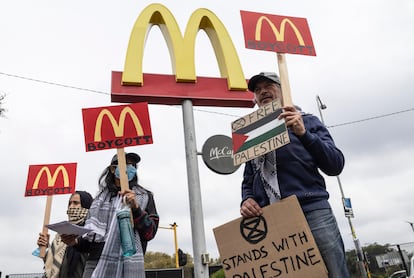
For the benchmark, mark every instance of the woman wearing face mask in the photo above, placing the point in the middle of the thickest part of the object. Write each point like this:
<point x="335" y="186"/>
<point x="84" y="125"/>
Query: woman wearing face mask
<point x="103" y="243"/>
<point x="62" y="261"/>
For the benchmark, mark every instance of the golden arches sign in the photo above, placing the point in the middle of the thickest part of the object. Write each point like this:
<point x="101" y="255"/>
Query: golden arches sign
<point x="117" y="126"/>
<point x="280" y="35"/>
<point x="51" y="179"/>
<point x="182" y="47"/>
<point x="277" y="33"/>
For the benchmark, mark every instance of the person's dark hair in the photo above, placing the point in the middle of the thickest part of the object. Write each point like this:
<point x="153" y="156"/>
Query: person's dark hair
<point x="107" y="179"/>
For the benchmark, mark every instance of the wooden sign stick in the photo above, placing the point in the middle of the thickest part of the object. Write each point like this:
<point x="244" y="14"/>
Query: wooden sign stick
<point x="284" y="79"/>
<point x="122" y="174"/>
<point x="46" y="221"/>
<point x="122" y="169"/>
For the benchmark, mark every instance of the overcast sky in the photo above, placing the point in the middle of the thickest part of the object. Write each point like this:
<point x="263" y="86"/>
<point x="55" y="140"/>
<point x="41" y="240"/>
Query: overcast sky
<point x="363" y="71"/>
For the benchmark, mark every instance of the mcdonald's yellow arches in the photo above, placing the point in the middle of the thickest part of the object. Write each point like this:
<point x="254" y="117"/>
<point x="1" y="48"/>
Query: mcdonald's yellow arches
<point x="182" y="47"/>
<point x="130" y="86"/>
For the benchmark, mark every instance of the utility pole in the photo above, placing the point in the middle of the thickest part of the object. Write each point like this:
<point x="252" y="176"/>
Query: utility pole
<point x="360" y="254"/>
<point x="174" y="227"/>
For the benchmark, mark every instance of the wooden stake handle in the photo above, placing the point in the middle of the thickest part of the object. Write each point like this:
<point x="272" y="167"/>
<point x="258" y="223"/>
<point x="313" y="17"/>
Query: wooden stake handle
<point x="122" y="169"/>
<point x="284" y="79"/>
<point x="46" y="221"/>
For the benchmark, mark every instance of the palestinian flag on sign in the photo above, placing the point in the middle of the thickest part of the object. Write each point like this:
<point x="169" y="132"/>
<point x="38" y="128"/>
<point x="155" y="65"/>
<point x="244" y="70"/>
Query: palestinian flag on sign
<point x="258" y="132"/>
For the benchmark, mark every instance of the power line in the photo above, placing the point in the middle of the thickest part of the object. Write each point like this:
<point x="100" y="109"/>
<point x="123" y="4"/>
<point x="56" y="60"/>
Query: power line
<point x="200" y="110"/>
<point x="372" y="118"/>
<point x="53" y="83"/>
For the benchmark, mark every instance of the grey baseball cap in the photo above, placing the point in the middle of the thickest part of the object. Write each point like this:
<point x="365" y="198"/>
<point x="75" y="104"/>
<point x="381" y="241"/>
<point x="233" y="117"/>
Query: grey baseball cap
<point x="270" y="76"/>
<point x="132" y="156"/>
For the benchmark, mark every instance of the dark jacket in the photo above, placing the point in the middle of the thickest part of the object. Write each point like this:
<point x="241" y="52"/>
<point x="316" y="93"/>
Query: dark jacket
<point x="297" y="168"/>
<point x="73" y="264"/>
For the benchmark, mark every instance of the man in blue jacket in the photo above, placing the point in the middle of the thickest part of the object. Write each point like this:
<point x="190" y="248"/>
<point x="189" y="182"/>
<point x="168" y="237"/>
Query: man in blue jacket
<point x="293" y="169"/>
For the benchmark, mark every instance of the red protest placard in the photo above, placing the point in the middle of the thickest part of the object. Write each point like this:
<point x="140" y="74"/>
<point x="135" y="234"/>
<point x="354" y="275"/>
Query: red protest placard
<point x="51" y="179"/>
<point x="116" y="126"/>
<point x="276" y="33"/>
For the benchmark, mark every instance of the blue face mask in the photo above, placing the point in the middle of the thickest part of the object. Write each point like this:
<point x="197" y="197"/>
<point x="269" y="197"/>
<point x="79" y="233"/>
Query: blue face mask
<point x="131" y="172"/>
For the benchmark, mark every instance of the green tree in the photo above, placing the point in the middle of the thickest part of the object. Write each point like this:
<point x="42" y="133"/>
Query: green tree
<point x="158" y="260"/>
<point x="370" y="252"/>
<point x="218" y="274"/>
<point x="373" y="250"/>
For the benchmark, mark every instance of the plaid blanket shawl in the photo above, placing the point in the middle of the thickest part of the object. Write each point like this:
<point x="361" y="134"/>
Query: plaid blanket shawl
<point x="102" y="220"/>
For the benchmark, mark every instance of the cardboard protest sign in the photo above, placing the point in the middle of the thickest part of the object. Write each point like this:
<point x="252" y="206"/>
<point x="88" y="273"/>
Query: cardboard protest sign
<point x="258" y="133"/>
<point x="115" y="127"/>
<point x="278" y="243"/>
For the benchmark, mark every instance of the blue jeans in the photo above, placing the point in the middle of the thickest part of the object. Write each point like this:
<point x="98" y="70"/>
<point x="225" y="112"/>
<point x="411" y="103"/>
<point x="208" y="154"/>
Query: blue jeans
<point x="325" y="230"/>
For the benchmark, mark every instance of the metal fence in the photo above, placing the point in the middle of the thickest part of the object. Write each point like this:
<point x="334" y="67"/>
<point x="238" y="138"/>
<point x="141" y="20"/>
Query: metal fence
<point x="25" y="275"/>
<point x="149" y="273"/>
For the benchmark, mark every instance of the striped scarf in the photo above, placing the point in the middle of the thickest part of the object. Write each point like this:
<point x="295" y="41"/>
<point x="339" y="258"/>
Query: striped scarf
<point x="268" y="174"/>
<point x="102" y="220"/>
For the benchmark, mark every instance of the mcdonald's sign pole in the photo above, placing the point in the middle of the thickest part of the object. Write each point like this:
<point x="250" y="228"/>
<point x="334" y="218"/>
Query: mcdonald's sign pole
<point x="184" y="89"/>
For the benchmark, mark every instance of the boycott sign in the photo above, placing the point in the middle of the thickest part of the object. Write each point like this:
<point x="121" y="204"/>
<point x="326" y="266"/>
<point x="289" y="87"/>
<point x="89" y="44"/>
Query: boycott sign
<point x="110" y="128"/>
<point x="258" y="133"/>
<point x="51" y="179"/>
<point x="277" y="244"/>
<point x="276" y="33"/>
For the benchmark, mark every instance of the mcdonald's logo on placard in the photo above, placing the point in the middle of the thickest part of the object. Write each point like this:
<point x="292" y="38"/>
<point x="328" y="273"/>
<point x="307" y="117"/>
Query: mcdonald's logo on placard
<point x="51" y="179"/>
<point x="116" y="126"/>
<point x="277" y="33"/>
<point x="133" y="86"/>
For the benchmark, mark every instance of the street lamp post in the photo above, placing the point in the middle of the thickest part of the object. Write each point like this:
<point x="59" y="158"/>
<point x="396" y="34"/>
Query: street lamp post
<point x="174" y="228"/>
<point x="360" y="256"/>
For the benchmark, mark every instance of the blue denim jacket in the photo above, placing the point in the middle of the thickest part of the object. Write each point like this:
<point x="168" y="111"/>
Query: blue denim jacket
<point x="298" y="164"/>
